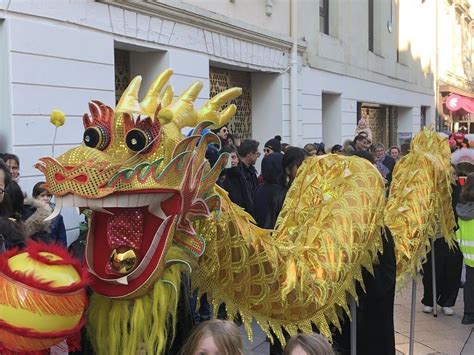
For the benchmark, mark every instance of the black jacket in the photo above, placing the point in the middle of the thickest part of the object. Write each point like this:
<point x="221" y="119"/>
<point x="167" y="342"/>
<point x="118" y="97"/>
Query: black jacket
<point x="269" y="196"/>
<point x="250" y="174"/>
<point x="389" y="162"/>
<point x="234" y="182"/>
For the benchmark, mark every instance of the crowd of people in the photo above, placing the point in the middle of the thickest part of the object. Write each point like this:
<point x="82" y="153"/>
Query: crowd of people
<point x="262" y="196"/>
<point x="24" y="214"/>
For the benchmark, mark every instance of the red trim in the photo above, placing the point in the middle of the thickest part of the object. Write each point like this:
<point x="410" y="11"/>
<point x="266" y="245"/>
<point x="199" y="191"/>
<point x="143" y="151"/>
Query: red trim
<point x="6" y="351"/>
<point x="33" y="249"/>
<point x="82" y="178"/>
<point x="97" y="243"/>
<point x="25" y="332"/>
<point x="59" y="177"/>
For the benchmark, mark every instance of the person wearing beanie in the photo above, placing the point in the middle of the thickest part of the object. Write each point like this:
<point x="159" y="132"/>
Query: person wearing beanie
<point x="271" y="172"/>
<point x="272" y="146"/>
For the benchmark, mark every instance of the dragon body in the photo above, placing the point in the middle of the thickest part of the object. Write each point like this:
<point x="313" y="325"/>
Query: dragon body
<point x="157" y="213"/>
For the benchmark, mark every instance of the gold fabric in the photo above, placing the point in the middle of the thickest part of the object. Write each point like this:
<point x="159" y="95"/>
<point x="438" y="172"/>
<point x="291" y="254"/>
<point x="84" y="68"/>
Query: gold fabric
<point x="121" y="169"/>
<point x="419" y="206"/>
<point x="301" y="273"/>
<point x="329" y="228"/>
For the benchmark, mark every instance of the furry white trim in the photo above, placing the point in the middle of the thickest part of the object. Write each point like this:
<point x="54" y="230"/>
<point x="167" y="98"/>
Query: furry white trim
<point x="465" y="155"/>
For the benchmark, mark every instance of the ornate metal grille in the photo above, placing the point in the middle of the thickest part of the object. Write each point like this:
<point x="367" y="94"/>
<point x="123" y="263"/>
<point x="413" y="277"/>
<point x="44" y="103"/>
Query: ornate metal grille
<point x="223" y="79"/>
<point x="122" y="72"/>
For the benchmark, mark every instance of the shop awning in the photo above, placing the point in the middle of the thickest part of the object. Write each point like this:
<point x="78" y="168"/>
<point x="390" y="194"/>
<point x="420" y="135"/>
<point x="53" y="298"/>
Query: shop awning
<point x="456" y="102"/>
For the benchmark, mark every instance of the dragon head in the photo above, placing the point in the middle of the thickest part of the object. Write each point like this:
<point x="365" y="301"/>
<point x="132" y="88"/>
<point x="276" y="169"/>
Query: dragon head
<point x="144" y="181"/>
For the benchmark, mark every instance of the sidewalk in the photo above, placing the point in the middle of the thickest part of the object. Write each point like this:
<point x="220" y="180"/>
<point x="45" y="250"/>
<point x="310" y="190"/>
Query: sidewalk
<point x="441" y="335"/>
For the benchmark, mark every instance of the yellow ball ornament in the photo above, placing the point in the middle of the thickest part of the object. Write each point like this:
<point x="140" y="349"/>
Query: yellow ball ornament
<point x="42" y="298"/>
<point x="57" y="118"/>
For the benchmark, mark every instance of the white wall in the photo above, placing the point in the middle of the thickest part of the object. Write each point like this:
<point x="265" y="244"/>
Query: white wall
<point x="332" y="119"/>
<point x="68" y="70"/>
<point x="249" y="11"/>
<point x="345" y="49"/>
<point x="355" y="90"/>
<point x="6" y="139"/>
<point x="405" y="119"/>
<point x="267" y="101"/>
<point x="188" y="67"/>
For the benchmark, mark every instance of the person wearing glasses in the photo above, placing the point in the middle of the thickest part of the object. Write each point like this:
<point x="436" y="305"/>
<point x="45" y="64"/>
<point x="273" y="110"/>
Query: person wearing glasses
<point x="248" y="153"/>
<point x="272" y="146"/>
<point x="336" y="149"/>
<point x="223" y="134"/>
<point x="240" y="180"/>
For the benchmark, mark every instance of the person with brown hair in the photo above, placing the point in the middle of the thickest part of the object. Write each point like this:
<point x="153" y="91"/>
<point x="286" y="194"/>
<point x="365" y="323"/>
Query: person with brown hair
<point x="308" y="344"/>
<point x="214" y="337"/>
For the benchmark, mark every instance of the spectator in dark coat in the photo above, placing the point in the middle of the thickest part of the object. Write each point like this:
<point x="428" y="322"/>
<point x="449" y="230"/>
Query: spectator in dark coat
<point x="375" y="327"/>
<point x="271" y="172"/>
<point x="223" y="134"/>
<point x="234" y="182"/>
<point x="448" y="265"/>
<point x="57" y="229"/>
<point x="30" y="213"/>
<point x="272" y="146"/>
<point x="292" y="160"/>
<point x="248" y="154"/>
<point x="360" y="142"/>
<point x="383" y="160"/>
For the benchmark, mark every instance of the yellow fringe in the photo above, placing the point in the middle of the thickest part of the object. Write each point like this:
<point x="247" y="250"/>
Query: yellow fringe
<point x="146" y="323"/>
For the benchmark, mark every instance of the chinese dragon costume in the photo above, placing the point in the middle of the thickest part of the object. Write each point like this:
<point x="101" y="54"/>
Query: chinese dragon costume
<point x="157" y="213"/>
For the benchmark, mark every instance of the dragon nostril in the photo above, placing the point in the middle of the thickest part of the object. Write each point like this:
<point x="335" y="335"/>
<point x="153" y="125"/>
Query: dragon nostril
<point x="59" y="177"/>
<point x="81" y="178"/>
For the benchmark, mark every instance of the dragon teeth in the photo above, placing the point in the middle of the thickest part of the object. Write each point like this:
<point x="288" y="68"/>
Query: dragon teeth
<point x="155" y="206"/>
<point x="57" y="209"/>
<point x="133" y="200"/>
<point x="153" y="201"/>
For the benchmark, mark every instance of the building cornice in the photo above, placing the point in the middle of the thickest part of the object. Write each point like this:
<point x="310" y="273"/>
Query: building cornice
<point x="447" y="88"/>
<point x="192" y="15"/>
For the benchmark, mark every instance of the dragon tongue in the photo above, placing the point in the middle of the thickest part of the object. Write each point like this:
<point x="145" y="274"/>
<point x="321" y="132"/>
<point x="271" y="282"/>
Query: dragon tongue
<point x="125" y="228"/>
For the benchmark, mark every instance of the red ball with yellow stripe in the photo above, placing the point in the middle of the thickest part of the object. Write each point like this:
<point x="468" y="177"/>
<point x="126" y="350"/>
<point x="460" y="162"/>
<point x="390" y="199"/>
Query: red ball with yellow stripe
<point x="42" y="297"/>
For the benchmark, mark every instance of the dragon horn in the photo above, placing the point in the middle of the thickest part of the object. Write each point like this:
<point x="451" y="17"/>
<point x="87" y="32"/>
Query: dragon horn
<point x="152" y="98"/>
<point x="129" y="100"/>
<point x="182" y="110"/>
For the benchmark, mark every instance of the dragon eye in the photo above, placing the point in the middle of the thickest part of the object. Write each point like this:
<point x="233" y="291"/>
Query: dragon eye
<point x="96" y="137"/>
<point x="138" y="139"/>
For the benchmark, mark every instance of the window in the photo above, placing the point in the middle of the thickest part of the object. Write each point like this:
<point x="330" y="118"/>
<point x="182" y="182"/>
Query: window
<point x="122" y="72"/>
<point x="223" y="79"/>
<point x="423" y="116"/>
<point x="324" y="16"/>
<point x="371" y="25"/>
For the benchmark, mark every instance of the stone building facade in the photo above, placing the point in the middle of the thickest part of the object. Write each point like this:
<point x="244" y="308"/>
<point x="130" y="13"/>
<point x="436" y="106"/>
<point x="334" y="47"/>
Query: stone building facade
<point x="349" y="56"/>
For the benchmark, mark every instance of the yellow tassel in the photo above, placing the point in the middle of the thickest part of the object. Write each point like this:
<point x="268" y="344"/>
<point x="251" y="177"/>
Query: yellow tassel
<point x="290" y="281"/>
<point x="124" y="327"/>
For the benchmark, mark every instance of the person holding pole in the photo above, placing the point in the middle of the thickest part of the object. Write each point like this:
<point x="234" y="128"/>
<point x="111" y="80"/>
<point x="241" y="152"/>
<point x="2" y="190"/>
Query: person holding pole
<point x="448" y="265"/>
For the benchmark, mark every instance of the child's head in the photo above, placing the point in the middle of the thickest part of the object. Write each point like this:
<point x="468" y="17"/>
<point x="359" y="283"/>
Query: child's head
<point x="308" y="344"/>
<point x="467" y="193"/>
<point x="214" y="337"/>
<point x="41" y="193"/>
